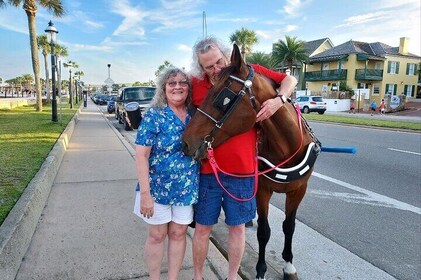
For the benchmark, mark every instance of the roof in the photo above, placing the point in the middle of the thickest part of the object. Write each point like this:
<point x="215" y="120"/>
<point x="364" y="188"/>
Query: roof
<point x="370" y="50"/>
<point x="311" y="46"/>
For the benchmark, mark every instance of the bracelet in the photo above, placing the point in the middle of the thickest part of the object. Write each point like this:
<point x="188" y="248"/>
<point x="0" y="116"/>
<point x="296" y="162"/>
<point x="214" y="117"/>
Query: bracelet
<point x="283" y="98"/>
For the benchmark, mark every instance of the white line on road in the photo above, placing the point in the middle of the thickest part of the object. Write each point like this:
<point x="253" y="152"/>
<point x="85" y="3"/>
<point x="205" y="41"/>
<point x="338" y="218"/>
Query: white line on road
<point x="384" y="200"/>
<point x="403" y="151"/>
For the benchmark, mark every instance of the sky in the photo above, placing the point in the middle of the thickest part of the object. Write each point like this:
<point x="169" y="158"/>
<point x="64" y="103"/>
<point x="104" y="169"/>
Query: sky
<point x="136" y="37"/>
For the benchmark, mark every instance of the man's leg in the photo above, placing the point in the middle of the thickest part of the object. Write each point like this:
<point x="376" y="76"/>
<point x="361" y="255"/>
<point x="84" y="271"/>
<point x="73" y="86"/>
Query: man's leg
<point x="236" y="244"/>
<point x="200" y="249"/>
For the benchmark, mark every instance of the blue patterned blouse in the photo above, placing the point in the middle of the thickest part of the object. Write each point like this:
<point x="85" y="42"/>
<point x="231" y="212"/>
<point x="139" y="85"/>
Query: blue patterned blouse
<point x="173" y="176"/>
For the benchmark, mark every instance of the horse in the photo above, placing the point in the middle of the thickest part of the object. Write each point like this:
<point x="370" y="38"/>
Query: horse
<point x="287" y="147"/>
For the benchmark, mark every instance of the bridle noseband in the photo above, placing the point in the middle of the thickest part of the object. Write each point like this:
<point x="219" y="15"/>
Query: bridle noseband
<point x="247" y="84"/>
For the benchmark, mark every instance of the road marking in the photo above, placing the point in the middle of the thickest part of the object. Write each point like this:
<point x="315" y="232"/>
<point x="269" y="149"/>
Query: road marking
<point x="403" y="151"/>
<point x="372" y="197"/>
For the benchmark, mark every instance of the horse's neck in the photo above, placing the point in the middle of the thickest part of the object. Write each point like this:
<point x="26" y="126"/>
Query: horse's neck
<point x="280" y="137"/>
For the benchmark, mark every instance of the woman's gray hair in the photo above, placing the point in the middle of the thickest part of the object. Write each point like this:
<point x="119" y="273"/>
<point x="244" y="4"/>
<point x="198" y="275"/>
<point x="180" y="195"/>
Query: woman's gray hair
<point x="203" y="46"/>
<point x="160" y="98"/>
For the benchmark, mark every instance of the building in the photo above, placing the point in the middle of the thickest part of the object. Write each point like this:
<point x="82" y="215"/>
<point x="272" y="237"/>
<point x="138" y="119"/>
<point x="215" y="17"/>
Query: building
<point x="382" y="70"/>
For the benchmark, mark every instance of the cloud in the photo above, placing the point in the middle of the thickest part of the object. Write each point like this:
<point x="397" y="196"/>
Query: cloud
<point x="133" y="17"/>
<point x="184" y="48"/>
<point x="293" y="7"/>
<point x="364" y="18"/>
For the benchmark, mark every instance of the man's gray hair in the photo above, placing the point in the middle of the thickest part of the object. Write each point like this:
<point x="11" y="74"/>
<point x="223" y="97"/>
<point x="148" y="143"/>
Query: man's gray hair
<point x="203" y="46"/>
<point x="160" y="98"/>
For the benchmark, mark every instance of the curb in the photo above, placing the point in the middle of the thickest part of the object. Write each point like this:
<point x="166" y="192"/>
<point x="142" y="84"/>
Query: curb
<point x="19" y="226"/>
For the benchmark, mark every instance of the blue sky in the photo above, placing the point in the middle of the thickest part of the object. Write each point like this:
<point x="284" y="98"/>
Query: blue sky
<point x="135" y="37"/>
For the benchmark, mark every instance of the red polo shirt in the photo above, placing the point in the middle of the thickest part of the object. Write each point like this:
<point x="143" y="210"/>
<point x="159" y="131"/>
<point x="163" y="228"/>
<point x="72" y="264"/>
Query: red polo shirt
<point x="237" y="154"/>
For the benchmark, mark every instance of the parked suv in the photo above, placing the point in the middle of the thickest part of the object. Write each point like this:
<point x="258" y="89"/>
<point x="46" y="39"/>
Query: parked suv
<point x="140" y="94"/>
<point x="309" y="103"/>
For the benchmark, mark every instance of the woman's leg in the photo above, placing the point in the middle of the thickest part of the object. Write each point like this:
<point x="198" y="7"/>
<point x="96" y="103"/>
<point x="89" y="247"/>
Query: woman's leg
<point x="154" y="249"/>
<point x="176" y="248"/>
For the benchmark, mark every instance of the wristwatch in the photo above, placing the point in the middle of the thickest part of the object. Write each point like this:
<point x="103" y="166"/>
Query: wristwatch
<point x="283" y="98"/>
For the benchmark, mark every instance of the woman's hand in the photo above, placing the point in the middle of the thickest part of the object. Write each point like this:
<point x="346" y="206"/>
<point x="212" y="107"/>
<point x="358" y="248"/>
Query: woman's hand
<point x="146" y="205"/>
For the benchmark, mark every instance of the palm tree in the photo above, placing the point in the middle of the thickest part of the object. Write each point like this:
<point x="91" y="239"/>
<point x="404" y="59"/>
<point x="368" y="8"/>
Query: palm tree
<point x="262" y="59"/>
<point x="30" y="7"/>
<point x="244" y="38"/>
<point x="162" y="67"/>
<point x="78" y="74"/>
<point x="289" y="52"/>
<point x="70" y="64"/>
<point x="45" y="47"/>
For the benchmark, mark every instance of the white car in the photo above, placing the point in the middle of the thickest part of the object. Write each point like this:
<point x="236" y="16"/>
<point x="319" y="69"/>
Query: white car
<point x="309" y="103"/>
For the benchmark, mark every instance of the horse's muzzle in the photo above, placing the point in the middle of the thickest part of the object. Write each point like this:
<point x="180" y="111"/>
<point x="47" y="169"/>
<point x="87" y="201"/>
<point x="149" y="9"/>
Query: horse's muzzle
<point x="196" y="153"/>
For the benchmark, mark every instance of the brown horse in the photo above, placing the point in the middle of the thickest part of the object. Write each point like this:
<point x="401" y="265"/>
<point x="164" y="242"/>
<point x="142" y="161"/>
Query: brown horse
<point x="281" y="140"/>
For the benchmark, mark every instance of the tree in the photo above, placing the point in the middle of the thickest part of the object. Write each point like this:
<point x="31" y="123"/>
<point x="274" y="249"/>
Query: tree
<point x="70" y="64"/>
<point x="244" y="38"/>
<point x="162" y="67"/>
<point x="262" y="59"/>
<point x="45" y="47"/>
<point x="30" y="7"/>
<point x="289" y="52"/>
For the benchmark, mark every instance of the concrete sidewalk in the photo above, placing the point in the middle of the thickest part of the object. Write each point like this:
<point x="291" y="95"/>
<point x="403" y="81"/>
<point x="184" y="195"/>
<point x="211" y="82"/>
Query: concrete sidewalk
<point x="87" y="229"/>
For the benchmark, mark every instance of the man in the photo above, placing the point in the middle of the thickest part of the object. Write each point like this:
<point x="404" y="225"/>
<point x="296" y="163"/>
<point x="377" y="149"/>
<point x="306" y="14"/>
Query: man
<point x="234" y="156"/>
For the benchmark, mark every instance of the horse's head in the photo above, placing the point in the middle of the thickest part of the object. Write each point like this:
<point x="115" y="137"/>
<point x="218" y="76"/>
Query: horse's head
<point x="228" y="109"/>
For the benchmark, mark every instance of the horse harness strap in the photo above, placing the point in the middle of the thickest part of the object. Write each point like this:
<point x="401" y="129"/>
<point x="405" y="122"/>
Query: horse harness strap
<point x="286" y="175"/>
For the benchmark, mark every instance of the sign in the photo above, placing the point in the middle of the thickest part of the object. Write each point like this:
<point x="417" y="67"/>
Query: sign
<point x="394" y="102"/>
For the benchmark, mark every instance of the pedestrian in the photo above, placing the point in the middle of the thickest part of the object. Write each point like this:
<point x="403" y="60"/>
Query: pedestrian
<point x="352" y="106"/>
<point x="382" y="107"/>
<point x="234" y="156"/>
<point x="167" y="178"/>
<point x="373" y="106"/>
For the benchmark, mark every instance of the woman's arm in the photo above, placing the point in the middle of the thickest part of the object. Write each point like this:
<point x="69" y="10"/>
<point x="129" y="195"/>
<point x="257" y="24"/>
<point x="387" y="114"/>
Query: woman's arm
<point x="142" y="168"/>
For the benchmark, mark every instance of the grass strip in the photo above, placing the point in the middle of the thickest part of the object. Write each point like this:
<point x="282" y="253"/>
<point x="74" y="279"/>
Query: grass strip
<point x="26" y="139"/>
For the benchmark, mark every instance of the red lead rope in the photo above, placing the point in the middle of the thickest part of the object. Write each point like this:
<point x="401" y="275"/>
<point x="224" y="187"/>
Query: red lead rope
<point x="256" y="173"/>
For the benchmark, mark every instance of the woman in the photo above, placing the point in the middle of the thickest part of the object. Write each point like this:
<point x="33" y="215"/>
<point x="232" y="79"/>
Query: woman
<point x="168" y="179"/>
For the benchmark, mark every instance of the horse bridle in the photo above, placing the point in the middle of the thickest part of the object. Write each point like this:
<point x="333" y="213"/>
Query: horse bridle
<point x="247" y="84"/>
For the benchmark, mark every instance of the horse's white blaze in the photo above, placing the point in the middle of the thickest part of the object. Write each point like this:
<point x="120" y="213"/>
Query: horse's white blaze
<point x="260" y="278"/>
<point x="290" y="268"/>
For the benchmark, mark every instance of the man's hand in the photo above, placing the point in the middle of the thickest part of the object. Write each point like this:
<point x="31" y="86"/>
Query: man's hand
<point x="268" y="108"/>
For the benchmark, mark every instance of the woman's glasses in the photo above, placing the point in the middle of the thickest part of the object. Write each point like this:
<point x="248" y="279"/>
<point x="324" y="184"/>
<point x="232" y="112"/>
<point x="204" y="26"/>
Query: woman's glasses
<point x="174" y="83"/>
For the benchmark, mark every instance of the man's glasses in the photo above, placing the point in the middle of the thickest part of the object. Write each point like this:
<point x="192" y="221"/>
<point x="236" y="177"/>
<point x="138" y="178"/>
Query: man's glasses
<point x="181" y="83"/>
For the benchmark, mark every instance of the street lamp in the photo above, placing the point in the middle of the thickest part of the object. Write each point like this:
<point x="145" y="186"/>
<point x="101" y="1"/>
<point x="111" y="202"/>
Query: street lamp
<point x="51" y="33"/>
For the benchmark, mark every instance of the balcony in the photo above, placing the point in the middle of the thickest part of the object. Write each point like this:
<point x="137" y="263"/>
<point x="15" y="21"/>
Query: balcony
<point x="368" y="75"/>
<point x="326" y="75"/>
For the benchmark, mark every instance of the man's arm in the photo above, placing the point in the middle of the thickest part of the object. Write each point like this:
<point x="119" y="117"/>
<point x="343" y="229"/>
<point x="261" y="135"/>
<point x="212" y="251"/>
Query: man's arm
<point x="270" y="106"/>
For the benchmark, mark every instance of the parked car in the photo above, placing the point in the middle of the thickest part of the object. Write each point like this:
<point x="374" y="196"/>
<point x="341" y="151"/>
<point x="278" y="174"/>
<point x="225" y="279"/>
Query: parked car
<point x="309" y="103"/>
<point x="140" y="94"/>
<point x="111" y="104"/>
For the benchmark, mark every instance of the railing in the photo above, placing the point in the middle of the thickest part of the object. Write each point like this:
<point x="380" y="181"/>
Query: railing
<point x="369" y="74"/>
<point x="326" y="75"/>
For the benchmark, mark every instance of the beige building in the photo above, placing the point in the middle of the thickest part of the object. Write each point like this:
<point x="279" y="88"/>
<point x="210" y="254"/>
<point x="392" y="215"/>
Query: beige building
<point x="383" y="70"/>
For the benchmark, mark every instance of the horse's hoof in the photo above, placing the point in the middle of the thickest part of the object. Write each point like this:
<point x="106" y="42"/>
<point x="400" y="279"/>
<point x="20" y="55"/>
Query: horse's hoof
<point x="292" y="276"/>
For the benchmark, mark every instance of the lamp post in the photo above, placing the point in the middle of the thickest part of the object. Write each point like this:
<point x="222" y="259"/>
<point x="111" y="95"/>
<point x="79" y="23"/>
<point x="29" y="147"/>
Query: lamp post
<point x="52" y="37"/>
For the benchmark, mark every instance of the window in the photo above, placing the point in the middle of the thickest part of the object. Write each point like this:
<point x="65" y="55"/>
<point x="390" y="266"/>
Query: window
<point x="376" y="89"/>
<point x="378" y="66"/>
<point x="411" y="69"/>
<point x="391" y="89"/>
<point x="408" y="89"/>
<point x="393" y="67"/>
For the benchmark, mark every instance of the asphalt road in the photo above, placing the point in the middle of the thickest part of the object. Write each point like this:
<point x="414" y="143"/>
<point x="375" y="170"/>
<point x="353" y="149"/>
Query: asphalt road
<point x="368" y="202"/>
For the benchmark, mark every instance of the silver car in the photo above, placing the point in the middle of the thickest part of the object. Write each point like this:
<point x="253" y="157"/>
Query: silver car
<point x="309" y="103"/>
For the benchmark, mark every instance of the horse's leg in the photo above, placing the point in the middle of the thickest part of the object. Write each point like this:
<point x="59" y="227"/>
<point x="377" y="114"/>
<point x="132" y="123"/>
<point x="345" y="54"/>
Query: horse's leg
<point x="293" y="200"/>
<point x="263" y="230"/>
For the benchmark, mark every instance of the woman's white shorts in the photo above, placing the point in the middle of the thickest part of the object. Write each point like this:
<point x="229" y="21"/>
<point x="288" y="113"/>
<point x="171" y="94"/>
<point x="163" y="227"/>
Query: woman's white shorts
<point x="163" y="214"/>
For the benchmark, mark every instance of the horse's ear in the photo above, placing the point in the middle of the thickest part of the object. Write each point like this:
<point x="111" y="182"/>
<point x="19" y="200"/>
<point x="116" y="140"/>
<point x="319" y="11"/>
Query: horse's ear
<point x="236" y="59"/>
